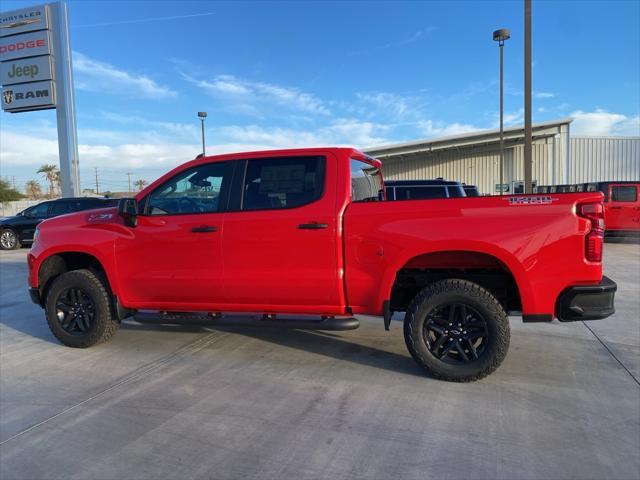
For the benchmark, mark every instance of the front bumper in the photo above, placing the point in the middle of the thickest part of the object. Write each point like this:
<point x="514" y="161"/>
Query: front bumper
<point x="34" y="293"/>
<point x="587" y="302"/>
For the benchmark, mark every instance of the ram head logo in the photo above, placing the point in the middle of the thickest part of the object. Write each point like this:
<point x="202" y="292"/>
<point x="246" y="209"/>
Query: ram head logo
<point x="7" y="96"/>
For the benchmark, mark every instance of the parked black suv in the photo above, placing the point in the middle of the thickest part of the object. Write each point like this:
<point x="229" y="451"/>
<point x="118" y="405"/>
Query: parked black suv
<point x="422" y="189"/>
<point x="14" y="231"/>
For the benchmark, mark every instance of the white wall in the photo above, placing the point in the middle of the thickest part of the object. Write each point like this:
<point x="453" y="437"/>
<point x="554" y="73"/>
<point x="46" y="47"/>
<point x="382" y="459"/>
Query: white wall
<point x="9" y="209"/>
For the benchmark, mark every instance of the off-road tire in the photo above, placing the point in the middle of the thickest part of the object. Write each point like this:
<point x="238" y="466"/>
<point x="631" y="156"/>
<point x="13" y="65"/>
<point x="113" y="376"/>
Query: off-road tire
<point x="17" y="243"/>
<point x="469" y="293"/>
<point x="104" y="323"/>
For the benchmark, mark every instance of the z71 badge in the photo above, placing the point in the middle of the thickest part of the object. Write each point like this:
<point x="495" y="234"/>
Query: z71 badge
<point x="99" y="216"/>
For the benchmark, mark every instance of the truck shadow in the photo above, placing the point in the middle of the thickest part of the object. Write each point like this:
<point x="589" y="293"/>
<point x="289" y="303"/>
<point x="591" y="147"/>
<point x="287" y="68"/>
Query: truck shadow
<point x="320" y="343"/>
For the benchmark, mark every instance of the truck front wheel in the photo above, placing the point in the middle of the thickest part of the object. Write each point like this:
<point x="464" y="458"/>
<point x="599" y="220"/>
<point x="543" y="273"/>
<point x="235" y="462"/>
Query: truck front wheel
<point x="457" y="330"/>
<point x="78" y="309"/>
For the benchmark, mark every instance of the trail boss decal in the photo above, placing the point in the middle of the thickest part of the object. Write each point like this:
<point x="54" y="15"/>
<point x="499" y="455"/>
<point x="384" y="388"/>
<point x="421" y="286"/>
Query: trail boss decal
<point x="542" y="200"/>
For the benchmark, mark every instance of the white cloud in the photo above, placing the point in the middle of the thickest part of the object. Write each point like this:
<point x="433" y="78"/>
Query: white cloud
<point x="414" y="37"/>
<point x="513" y="118"/>
<point x="390" y="104"/>
<point x="543" y="95"/>
<point x="28" y="149"/>
<point x="248" y="96"/>
<point x="346" y="132"/>
<point x="601" y="122"/>
<point x="440" y="129"/>
<point x="95" y="76"/>
<point x="157" y="151"/>
<point x="19" y="148"/>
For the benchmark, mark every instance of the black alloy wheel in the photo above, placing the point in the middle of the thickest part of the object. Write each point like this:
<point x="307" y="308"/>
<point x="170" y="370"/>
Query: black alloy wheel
<point x="75" y="311"/>
<point x="457" y="330"/>
<point x="456" y="333"/>
<point x="79" y="309"/>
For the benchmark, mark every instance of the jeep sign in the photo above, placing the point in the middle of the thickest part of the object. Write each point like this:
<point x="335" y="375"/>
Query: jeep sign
<point x="26" y="70"/>
<point x="31" y="96"/>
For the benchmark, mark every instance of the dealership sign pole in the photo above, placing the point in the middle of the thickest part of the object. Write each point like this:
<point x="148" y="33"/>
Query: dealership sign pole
<point x="35" y="73"/>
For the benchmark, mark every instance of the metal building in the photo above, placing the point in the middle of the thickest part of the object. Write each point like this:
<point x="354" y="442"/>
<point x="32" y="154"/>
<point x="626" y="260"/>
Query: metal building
<point x="474" y="158"/>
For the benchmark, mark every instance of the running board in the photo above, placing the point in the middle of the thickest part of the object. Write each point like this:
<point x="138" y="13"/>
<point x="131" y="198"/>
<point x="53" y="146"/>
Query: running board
<point x="328" y="323"/>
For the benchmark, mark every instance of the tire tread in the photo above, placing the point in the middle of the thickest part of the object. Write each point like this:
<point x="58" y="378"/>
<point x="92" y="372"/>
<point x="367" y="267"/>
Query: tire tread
<point x="481" y="295"/>
<point x="98" y="335"/>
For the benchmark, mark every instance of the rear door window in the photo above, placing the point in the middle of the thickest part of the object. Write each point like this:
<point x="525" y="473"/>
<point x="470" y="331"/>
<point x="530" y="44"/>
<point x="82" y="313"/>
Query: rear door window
<point x="456" y="191"/>
<point x="624" y="193"/>
<point x="366" y="182"/>
<point x="421" y="193"/>
<point x="287" y="182"/>
<point x="61" y="207"/>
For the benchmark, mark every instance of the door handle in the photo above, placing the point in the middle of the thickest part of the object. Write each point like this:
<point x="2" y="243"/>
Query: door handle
<point x="312" y="226"/>
<point x="204" y="229"/>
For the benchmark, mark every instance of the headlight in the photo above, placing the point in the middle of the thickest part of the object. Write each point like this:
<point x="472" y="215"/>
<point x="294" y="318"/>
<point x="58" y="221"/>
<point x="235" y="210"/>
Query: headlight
<point x="36" y="234"/>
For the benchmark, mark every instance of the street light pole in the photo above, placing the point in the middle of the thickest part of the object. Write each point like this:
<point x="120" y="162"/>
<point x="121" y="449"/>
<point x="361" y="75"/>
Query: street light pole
<point x="500" y="36"/>
<point x="528" y="140"/>
<point x="202" y="116"/>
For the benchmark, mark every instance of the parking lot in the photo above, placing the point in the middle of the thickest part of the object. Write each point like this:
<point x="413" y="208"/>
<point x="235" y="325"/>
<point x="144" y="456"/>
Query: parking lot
<point x="192" y="401"/>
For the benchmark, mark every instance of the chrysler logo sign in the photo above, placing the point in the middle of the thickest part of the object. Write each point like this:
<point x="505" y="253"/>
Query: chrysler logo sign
<point x="25" y="20"/>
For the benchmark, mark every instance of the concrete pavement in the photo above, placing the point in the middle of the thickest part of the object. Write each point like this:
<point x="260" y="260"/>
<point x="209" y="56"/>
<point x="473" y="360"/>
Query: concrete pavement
<point x="169" y="401"/>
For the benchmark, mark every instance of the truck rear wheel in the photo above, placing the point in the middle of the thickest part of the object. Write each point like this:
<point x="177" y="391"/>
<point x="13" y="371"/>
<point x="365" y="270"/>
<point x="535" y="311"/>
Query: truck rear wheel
<point x="78" y="309"/>
<point x="457" y="330"/>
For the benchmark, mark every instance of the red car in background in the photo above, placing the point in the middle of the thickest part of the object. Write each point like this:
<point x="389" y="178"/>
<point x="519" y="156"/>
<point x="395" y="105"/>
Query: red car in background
<point x="621" y="203"/>
<point x="622" y="207"/>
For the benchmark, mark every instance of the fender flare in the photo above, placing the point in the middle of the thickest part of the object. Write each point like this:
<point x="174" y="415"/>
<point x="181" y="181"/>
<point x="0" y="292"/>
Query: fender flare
<point x="511" y="263"/>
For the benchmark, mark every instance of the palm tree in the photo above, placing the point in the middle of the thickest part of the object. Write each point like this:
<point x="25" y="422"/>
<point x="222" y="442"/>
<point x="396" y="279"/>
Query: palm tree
<point x="49" y="172"/>
<point x="140" y="184"/>
<point x="59" y="181"/>
<point x="33" y="189"/>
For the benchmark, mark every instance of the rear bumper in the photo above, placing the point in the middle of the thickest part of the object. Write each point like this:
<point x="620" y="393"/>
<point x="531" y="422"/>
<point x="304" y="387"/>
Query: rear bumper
<point x="587" y="302"/>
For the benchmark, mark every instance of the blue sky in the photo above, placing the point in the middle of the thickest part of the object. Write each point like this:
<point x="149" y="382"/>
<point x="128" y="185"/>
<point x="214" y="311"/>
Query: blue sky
<point x="279" y="74"/>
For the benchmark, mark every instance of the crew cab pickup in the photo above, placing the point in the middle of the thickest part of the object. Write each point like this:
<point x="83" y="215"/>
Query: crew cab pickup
<point x="307" y="233"/>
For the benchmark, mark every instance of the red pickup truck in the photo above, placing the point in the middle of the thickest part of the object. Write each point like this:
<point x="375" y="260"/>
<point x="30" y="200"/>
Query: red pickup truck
<point x="307" y="232"/>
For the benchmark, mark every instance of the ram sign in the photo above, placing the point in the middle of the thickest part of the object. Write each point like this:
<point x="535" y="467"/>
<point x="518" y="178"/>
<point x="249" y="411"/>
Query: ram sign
<point x="28" y="96"/>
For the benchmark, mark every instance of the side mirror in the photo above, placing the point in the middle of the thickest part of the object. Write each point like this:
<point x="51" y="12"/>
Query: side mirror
<point x="128" y="210"/>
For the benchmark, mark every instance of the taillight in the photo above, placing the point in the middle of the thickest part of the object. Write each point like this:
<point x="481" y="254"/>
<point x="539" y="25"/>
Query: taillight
<point x="594" y="212"/>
